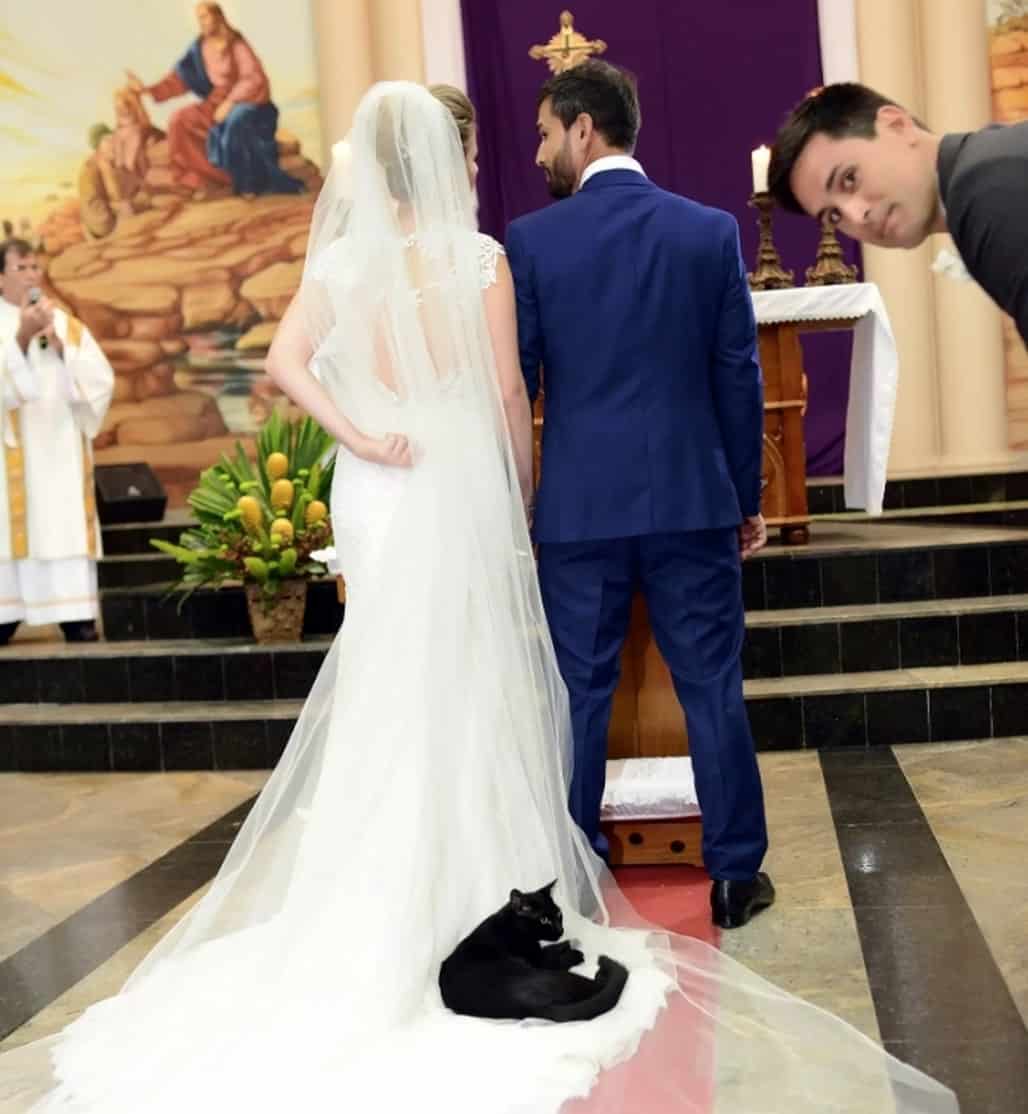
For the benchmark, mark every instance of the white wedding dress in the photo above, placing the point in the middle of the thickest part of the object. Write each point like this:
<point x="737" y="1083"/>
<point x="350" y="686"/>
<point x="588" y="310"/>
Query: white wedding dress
<point x="427" y="775"/>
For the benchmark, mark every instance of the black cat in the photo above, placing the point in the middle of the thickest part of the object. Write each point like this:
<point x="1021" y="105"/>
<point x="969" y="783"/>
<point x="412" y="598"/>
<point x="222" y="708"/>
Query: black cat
<point x="502" y="971"/>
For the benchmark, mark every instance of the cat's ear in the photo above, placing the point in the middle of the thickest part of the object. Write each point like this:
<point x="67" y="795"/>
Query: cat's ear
<point x="517" y="900"/>
<point x="549" y="888"/>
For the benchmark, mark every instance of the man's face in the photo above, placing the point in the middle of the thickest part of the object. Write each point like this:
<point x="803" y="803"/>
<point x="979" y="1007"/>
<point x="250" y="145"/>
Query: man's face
<point x="556" y="155"/>
<point x="882" y="191"/>
<point x="20" y="274"/>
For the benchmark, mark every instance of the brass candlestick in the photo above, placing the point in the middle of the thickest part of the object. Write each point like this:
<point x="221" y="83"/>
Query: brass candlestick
<point x="770" y="274"/>
<point x="829" y="268"/>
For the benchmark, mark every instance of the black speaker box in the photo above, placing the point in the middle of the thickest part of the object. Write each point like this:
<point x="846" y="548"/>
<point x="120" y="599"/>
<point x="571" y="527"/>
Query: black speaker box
<point x="128" y="493"/>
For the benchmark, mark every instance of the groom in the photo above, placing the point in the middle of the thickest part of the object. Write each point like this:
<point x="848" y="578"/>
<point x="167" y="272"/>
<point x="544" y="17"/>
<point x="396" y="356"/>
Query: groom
<point x="634" y="303"/>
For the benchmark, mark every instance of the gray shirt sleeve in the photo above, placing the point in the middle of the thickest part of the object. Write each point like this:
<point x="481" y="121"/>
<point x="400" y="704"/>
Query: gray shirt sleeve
<point x="987" y="215"/>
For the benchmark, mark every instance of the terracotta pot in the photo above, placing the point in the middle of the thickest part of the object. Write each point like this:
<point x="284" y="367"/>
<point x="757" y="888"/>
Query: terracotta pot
<point x="279" y="619"/>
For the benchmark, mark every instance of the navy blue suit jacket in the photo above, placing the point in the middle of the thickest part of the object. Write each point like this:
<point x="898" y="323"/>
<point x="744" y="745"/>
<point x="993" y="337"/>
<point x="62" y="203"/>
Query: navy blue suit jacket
<point x="635" y="304"/>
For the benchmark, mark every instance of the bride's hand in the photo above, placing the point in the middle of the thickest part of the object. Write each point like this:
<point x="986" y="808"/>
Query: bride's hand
<point x="393" y="450"/>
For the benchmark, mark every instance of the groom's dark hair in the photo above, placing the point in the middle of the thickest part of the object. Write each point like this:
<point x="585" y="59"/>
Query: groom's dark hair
<point x="606" y="93"/>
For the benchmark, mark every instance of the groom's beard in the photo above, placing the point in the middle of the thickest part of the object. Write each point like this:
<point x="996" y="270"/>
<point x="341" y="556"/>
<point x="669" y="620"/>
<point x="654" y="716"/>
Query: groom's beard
<point x="560" y="177"/>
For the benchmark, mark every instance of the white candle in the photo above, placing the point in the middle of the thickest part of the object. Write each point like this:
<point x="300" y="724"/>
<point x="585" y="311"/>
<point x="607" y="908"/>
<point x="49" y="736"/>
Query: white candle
<point x="761" y="157"/>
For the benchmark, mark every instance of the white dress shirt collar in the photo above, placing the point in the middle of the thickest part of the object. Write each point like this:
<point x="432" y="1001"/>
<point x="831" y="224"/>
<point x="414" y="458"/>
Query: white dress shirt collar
<point x="611" y="162"/>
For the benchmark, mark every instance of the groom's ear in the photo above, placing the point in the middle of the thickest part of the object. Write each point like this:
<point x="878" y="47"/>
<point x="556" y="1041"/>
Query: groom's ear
<point x="583" y="127"/>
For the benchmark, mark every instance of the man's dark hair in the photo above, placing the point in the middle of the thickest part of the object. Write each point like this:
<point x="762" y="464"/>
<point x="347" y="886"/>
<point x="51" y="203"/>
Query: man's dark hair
<point x="843" y="111"/>
<point x="14" y="245"/>
<point x="606" y="93"/>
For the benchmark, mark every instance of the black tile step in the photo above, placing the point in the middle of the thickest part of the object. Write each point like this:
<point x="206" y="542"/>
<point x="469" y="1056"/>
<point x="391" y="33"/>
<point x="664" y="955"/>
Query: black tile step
<point x="137" y="570"/>
<point x="147" y="612"/>
<point x="134" y="537"/>
<point x="141" y="737"/>
<point x="943" y="704"/>
<point x="864" y="563"/>
<point x="851" y="710"/>
<point x="848" y="563"/>
<point x="787" y="643"/>
<point x="875" y="637"/>
<point x="826" y="496"/>
<point x="167" y="670"/>
<point x="970" y="514"/>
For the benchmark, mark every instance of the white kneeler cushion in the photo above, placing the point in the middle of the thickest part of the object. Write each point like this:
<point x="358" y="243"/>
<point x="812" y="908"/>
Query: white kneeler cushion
<point x="649" y="789"/>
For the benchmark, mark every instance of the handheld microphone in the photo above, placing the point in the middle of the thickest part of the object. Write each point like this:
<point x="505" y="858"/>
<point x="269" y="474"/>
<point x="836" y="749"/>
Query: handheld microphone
<point x="34" y="295"/>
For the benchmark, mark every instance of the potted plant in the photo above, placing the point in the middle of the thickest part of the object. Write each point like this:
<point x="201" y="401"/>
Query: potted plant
<point x="259" y="523"/>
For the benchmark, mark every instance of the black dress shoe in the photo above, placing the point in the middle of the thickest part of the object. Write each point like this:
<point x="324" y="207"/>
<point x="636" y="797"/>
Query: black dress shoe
<point x="733" y="903"/>
<point x="6" y="632"/>
<point x="80" y="631"/>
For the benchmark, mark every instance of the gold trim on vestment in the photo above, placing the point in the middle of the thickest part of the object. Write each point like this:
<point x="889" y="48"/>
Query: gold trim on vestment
<point x="36" y="606"/>
<point x="14" y="461"/>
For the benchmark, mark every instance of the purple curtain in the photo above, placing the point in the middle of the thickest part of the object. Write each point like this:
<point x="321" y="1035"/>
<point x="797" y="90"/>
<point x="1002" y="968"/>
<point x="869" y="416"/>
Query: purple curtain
<point x="715" y="80"/>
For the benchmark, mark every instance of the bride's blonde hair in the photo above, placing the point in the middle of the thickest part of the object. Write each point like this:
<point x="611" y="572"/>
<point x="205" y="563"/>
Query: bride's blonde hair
<point x="460" y="108"/>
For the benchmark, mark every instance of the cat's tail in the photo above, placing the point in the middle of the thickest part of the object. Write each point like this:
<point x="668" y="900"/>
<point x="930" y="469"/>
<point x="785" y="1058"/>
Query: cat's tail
<point x="610" y="981"/>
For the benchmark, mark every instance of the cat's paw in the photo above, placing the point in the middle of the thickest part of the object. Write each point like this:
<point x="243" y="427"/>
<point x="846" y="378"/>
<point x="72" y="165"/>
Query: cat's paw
<point x="562" y="956"/>
<point x="570" y="954"/>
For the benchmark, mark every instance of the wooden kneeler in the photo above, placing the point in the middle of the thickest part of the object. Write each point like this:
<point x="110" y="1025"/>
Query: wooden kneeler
<point x="655" y="842"/>
<point x="650" y="813"/>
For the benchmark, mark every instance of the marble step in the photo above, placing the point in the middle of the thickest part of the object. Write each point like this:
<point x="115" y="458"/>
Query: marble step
<point x="856" y="710"/>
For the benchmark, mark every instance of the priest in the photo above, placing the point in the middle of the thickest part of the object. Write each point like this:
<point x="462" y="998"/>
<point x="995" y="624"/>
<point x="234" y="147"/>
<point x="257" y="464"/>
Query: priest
<point x="55" y="387"/>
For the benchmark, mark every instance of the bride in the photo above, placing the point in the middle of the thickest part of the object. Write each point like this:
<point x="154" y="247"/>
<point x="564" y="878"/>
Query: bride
<point x="427" y="774"/>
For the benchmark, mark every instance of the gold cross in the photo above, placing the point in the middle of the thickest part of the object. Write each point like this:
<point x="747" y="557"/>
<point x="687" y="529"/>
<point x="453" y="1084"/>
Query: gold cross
<point x="568" y="47"/>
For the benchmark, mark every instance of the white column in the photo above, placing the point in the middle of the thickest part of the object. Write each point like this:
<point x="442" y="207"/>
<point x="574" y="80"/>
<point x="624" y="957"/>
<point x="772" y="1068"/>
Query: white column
<point x="968" y="326"/>
<point x="359" y="42"/>
<point x="889" y="52"/>
<point x="342" y="41"/>
<point x="443" y="43"/>
<point x="837" y="29"/>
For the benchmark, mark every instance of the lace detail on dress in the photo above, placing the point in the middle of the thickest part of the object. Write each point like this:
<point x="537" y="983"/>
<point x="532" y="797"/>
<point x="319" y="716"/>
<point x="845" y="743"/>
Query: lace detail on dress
<point x="488" y="252"/>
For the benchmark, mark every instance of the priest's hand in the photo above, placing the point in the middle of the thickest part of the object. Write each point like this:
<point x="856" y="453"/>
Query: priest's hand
<point x="752" y="535"/>
<point x="36" y="318"/>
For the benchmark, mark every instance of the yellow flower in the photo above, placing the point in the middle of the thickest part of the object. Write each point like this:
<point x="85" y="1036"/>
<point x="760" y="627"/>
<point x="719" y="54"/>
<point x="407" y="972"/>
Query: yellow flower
<point x="277" y="466"/>
<point x="282" y="495"/>
<point x="282" y="528"/>
<point x="250" y="512"/>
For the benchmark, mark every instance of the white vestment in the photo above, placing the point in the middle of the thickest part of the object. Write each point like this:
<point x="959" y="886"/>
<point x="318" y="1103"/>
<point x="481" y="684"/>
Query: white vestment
<point x="52" y="408"/>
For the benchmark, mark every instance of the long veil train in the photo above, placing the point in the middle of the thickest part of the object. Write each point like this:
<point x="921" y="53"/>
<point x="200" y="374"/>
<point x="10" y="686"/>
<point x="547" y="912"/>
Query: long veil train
<point x="427" y="775"/>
